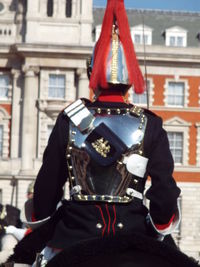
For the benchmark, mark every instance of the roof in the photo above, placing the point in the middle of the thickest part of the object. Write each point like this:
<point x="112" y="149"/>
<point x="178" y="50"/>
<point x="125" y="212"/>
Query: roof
<point x="159" y="21"/>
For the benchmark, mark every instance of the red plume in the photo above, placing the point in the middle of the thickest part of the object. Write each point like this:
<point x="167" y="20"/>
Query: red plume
<point x="115" y="9"/>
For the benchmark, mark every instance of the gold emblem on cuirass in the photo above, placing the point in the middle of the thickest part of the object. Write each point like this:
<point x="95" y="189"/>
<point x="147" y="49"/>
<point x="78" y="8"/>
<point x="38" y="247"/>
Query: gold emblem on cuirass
<point x="102" y="147"/>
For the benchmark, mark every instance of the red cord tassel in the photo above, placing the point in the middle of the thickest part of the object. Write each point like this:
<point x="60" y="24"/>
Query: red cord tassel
<point x="115" y="9"/>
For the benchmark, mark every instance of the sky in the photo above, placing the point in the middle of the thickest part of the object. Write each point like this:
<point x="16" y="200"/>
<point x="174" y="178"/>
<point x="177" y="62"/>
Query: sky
<point x="183" y="5"/>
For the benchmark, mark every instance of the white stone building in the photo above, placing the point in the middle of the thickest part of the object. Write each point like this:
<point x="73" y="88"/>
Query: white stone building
<point x="43" y="50"/>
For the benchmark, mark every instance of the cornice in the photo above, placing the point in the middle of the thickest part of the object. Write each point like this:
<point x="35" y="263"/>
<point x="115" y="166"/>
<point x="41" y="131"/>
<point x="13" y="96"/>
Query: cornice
<point x="172" y="109"/>
<point x="54" y="49"/>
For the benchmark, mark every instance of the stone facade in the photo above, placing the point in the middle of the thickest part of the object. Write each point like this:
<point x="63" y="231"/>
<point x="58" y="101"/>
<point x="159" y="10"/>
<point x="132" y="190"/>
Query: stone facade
<point x="35" y="45"/>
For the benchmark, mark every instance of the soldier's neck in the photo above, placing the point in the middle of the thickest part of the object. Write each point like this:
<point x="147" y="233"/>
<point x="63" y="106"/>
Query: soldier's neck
<point x="111" y="96"/>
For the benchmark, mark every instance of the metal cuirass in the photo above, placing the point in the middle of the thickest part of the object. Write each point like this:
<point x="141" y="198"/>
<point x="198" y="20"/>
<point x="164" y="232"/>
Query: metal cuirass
<point x="94" y="179"/>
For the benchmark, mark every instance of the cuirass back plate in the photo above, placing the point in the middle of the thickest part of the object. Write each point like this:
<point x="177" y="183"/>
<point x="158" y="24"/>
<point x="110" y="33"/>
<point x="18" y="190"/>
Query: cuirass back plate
<point x="103" y="183"/>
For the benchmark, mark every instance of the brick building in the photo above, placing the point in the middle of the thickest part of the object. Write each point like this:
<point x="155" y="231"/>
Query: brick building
<point x="172" y="58"/>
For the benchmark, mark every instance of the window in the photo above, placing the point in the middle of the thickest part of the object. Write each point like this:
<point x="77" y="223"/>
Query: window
<point x="176" y="36"/>
<point x="1" y="140"/>
<point x="4" y="86"/>
<point x="176" y="41"/>
<point x="68" y="10"/>
<point x="176" y="94"/>
<point x="49" y="8"/>
<point x="56" y="88"/>
<point x="176" y="146"/>
<point x="178" y="135"/>
<point x="142" y="34"/>
<point x="140" y="38"/>
<point x="141" y="98"/>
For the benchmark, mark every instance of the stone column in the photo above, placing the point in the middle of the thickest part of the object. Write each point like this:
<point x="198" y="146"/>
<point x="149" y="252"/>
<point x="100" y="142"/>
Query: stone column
<point x="83" y="84"/>
<point x="15" y="121"/>
<point x="62" y="8"/>
<point x="75" y="8"/>
<point x="29" y="118"/>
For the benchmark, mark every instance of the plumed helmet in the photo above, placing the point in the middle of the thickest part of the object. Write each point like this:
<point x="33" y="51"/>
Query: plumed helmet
<point x="114" y="60"/>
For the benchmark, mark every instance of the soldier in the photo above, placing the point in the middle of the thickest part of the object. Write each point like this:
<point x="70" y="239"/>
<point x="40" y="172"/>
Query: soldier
<point x="106" y="149"/>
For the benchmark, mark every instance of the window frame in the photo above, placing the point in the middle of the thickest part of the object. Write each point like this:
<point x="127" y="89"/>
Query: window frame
<point x="5" y="122"/>
<point x="1" y="139"/>
<point x="140" y="30"/>
<point x="8" y="86"/>
<point x="185" y="95"/>
<point x="176" y="32"/>
<point x="151" y="95"/>
<point x="56" y="86"/>
<point x="179" y="125"/>
<point x="176" y="148"/>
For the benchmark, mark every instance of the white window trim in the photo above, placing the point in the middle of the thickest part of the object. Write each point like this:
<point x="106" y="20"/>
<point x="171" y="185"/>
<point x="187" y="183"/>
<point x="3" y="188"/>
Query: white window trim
<point x="151" y="94"/>
<point x="198" y="145"/>
<point x="179" y="125"/>
<point x="199" y="95"/>
<point x="4" y="121"/>
<point x="9" y="98"/>
<point x="70" y="90"/>
<point x="186" y="94"/>
<point x="175" y="32"/>
<point x="140" y="30"/>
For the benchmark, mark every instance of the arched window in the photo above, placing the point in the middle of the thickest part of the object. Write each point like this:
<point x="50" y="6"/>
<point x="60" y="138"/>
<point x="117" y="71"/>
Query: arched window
<point x="49" y="8"/>
<point x="68" y="10"/>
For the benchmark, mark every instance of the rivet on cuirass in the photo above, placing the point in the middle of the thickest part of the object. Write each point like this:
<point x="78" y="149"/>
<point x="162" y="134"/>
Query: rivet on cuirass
<point x="98" y="225"/>
<point x="140" y="152"/>
<point x="72" y="178"/>
<point x="70" y="167"/>
<point x="120" y="225"/>
<point x="83" y="145"/>
<point x="68" y="156"/>
<point x="98" y="110"/>
<point x="73" y="132"/>
<point x="135" y="181"/>
<point x="127" y="110"/>
<point x="118" y="111"/>
<point x="70" y="148"/>
<point x="108" y="111"/>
